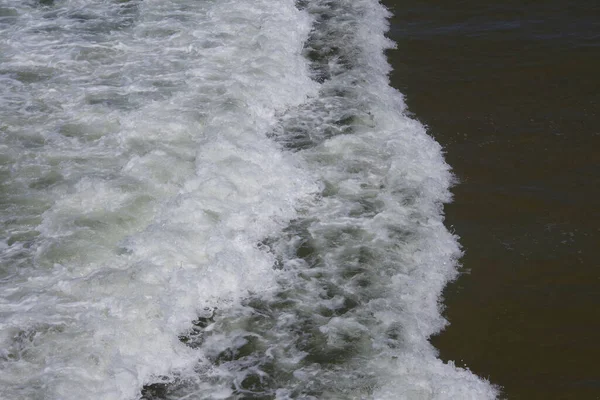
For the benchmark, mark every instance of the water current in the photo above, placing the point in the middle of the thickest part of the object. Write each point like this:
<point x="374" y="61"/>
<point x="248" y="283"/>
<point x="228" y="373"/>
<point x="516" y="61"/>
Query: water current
<point x="216" y="200"/>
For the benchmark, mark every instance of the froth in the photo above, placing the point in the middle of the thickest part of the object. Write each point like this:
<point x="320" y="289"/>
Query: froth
<point x="228" y="202"/>
<point x="153" y="119"/>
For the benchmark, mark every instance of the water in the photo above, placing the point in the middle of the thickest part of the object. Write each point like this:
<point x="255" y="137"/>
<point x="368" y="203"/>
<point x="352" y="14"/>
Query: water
<point x="511" y="91"/>
<point x="217" y="200"/>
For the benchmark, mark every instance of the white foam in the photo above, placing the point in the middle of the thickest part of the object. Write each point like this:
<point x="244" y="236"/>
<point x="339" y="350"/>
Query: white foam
<point x="166" y="182"/>
<point x="145" y="182"/>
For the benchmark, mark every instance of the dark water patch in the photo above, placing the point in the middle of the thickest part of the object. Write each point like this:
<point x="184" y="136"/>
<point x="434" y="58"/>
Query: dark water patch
<point x="329" y="47"/>
<point x="509" y="89"/>
<point x="25" y="340"/>
<point x="309" y="125"/>
<point x="366" y="208"/>
<point x="33" y="76"/>
<point x="160" y="389"/>
<point x="26" y="239"/>
<point x="48" y="180"/>
<point x="89" y="22"/>
<point x="118" y="101"/>
<point x="334" y="55"/>
<point x="7" y="13"/>
<point x="80" y="131"/>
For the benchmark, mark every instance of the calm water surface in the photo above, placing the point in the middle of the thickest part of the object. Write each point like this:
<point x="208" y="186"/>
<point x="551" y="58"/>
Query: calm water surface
<point x="511" y="90"/>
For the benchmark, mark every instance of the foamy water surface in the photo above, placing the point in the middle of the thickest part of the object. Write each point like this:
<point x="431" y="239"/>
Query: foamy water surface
<point x="216" y="200"/>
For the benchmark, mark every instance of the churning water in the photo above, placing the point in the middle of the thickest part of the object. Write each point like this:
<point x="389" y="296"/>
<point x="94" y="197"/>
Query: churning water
<point x="209" y="199"/>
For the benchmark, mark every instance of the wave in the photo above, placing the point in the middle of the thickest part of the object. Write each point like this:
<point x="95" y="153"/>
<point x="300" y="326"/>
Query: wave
<point x="217" y="200"/>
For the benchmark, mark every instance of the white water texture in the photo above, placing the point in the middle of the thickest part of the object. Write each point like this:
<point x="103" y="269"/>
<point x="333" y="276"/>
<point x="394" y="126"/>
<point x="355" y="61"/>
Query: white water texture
<point x="216" y="200"/>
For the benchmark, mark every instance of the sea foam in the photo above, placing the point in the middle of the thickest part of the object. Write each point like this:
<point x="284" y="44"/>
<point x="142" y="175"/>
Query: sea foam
<point x="217" y="200"/>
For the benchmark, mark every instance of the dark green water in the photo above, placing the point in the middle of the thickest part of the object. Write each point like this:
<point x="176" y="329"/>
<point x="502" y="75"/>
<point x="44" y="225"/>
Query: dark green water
<point x="511" y="90"/>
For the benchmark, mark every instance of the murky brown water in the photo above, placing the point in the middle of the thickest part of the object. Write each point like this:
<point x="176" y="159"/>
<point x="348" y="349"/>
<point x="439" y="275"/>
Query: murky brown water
<point x="511" y="89"/>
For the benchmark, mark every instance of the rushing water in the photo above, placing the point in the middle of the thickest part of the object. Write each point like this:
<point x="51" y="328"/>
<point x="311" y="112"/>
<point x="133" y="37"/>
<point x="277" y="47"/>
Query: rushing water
<point x="216" y="200"/>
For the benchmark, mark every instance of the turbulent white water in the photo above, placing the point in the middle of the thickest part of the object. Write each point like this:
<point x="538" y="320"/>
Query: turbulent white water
<point x="216" y="200"/>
